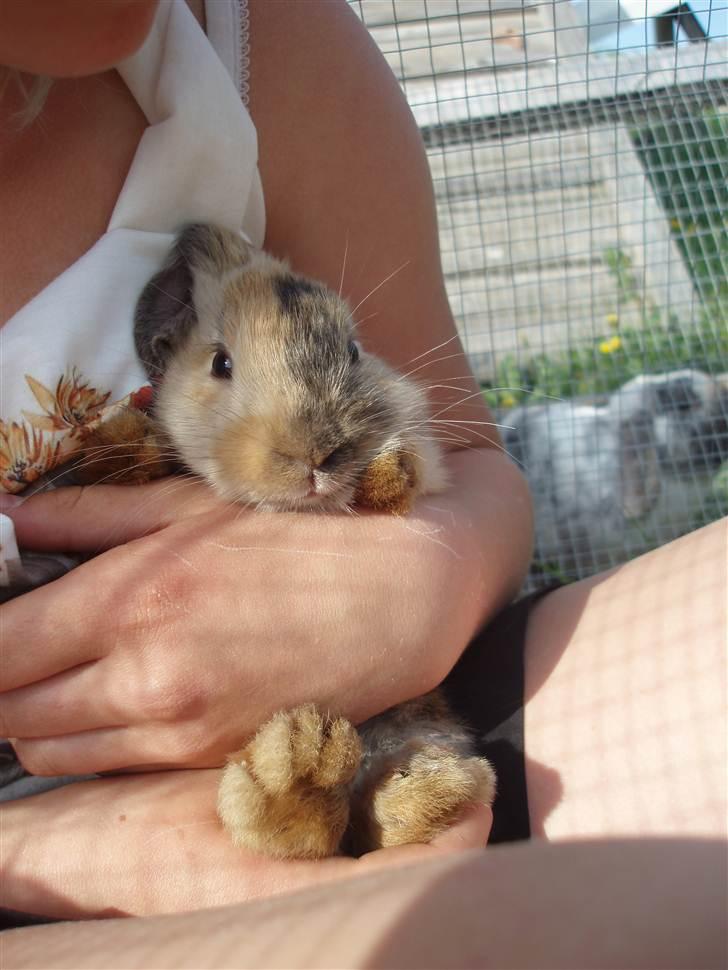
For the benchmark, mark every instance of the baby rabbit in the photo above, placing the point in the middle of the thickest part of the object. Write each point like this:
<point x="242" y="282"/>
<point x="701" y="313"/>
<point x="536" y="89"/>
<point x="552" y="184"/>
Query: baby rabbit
<point x="261" y="388"/>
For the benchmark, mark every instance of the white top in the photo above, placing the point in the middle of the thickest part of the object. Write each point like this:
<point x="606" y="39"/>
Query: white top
<point x="68" y="358"/>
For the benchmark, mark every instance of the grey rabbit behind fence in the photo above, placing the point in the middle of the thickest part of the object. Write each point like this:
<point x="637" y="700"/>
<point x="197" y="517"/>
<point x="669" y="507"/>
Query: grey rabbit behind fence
<point x="612" y="479"/>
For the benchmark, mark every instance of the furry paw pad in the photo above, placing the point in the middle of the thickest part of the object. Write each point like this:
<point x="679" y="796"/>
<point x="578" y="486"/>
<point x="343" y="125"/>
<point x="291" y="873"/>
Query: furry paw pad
<point x="389" y="483"/>
<point x="286" y="793"/>
<point x="420" y="794"/>
<point x="127" y="449"/>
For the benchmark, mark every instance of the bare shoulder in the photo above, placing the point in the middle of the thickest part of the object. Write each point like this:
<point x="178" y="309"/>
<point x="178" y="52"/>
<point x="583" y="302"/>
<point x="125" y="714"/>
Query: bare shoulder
<point x="338" y="146"/>
<point x="348" y="192"/>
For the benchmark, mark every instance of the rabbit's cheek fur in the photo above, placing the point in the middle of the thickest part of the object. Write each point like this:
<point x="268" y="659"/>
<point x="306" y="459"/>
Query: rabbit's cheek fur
<point x="194" y="409"/>
<point x="260" y="460"/>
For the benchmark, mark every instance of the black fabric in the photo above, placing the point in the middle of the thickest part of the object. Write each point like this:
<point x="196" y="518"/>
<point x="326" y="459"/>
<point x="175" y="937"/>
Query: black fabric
<point x="485" y="689"/>
<point x="11" y="919"/>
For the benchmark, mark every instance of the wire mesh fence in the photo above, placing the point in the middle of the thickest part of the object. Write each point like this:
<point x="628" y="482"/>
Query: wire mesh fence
<point x="582" y="199"/>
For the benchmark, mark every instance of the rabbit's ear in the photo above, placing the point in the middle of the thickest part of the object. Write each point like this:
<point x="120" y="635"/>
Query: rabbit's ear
<point x="515" y="442"/>
<point x="639" y="464"/>
<point x="210" y="249"/>
<point x="167" y="310"/>
<point x="676" y="396"/>
<point x="164" y="315"/>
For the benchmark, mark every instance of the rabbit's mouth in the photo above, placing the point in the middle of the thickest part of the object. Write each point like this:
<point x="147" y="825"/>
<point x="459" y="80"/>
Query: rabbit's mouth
<point x="709" y="444"/>
<point x="703" y="453"/>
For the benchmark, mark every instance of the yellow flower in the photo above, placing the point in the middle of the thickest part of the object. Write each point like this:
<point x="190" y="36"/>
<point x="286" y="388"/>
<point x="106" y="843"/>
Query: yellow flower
<point x="610" y="345"/>
<point x="612" y="320"/>
<point x="73" y="405"/>
<point x="23" y="457"/>
<point x="508" y="400"/>
<point x="675" y="224"/>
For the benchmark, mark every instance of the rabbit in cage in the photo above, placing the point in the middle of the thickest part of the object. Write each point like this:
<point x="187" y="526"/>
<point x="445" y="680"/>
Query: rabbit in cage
<point x="609" y="480"/>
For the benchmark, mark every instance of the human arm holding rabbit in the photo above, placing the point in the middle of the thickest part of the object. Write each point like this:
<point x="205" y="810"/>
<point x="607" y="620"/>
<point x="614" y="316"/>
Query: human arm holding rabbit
<point x="306" y="607"/>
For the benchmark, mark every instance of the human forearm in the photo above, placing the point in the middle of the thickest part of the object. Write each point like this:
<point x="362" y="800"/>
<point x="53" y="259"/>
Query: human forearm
<point x="215" y="618"/>
<point x="468" y="551"/>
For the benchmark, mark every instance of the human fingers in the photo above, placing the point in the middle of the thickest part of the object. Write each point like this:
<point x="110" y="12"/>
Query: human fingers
<point x="145" y="748"/>
<point x="41" y="636"/>
<point x="266" y="877"/>
<point x="469" y="831"/>
<point x="98" y="517"/>
<point x="79" y="699"/>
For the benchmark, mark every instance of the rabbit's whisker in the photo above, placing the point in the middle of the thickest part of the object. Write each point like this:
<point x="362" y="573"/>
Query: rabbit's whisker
<point x="432" y="350"/>
<point x="380" y="285"/>
<point x="343" y="265"/>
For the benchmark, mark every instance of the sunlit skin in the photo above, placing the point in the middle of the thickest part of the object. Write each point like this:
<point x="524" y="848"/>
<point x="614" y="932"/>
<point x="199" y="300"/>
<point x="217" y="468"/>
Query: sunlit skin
<point x="59" y="179"/>
<point x="71" y="38"/>
<point x="118" y="681"/>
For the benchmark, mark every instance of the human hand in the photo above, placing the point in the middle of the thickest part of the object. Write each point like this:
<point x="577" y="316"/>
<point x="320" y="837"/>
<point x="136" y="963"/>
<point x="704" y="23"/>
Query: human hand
<point x="152" y="843"/>
<point x="199" y="620"/>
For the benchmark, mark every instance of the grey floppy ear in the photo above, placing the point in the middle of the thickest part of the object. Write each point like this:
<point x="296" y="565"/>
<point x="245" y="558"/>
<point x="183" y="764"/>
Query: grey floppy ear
<point x="639" y="464"/>
<point x="165" y="313"/>
<point x="211" y="249"/>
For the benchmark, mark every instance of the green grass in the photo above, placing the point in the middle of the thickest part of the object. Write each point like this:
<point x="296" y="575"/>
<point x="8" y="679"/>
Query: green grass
<point x="618" y="354"/>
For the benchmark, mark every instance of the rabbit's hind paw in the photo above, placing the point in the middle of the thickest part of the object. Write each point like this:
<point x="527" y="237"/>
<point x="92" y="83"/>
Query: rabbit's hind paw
<point x="286" y="793"/>
<point x="419" y="796"/>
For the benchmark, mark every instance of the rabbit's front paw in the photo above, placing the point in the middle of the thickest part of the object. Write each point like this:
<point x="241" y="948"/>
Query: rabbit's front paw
<point x="286" y="793"/>
<point x="418" y="796"/>
<point x="127" y="449"/>
<point x="389" y="483"/>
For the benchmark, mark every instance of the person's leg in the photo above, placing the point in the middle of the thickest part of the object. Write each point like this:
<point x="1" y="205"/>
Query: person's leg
<point x="625" y="717"/>
<point x="615" y="904"/>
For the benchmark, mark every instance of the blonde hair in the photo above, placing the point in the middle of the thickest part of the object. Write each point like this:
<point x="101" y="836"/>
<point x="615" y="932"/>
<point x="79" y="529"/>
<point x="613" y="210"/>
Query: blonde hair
<point x="34" y="92"/>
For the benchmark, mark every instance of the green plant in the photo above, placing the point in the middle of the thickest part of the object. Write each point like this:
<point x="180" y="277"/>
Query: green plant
<point x="601" y="365"/>
<point x="687" y="164"/>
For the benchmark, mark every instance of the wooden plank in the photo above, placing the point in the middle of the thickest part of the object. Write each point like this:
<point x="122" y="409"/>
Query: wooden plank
<point x="511" y="153"/>
<point x="566" y="224"/>
<point x="555" y="161"/>
<point x="529" y="205"/>
<point x="582" y="296"/>
<point x="443" y="37"/>
<point x="450" y="45"/>
<point x="571" y="79"/>
<point x="383" y="13"/>
<point x="494" y="247"/>
<point x="549" y="311"/>
<point x="644" y="229"/>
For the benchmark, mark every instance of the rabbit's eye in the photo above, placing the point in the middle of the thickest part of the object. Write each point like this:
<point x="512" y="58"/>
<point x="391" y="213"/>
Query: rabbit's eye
<point x="222" y="365"/>
<point x="353" y="349"/>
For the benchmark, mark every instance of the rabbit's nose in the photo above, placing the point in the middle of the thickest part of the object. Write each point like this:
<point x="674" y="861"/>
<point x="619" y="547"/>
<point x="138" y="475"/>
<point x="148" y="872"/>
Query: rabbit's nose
<point x="326" y="460"/>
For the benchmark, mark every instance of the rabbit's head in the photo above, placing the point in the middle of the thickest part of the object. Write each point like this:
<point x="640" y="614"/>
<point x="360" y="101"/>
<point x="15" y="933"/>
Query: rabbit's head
<point x="690" y="414"/>
<point x="260" y="383"/>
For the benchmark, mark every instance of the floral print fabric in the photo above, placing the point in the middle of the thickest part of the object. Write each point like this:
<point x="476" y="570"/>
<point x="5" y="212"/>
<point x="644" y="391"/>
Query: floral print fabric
<point x="35" y="444"/>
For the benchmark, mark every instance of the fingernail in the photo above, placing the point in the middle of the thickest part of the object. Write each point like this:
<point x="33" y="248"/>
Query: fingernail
<point x="8" y="501"/>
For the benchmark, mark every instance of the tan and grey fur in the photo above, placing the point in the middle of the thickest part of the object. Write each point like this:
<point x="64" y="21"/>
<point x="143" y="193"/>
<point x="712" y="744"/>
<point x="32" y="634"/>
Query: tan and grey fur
<point x="303" y="419"/>
<point x="298" y="421"/>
